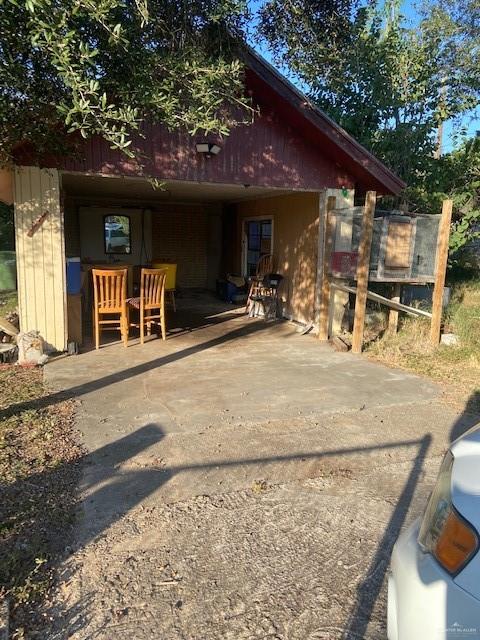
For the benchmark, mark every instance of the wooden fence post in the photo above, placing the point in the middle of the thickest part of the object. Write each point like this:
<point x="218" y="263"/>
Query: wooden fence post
<point x="328" y="230"/>
<point x="440" y="271"/>
<point x="393" y="315"/>
<point x="363" y="268"/>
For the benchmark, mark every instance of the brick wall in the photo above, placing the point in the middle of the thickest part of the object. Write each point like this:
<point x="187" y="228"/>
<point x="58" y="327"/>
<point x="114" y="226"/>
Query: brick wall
<point x="179" y="234"/>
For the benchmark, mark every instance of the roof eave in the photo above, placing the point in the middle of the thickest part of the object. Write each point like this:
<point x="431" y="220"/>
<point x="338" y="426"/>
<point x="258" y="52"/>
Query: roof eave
<point x="328" y="127"/>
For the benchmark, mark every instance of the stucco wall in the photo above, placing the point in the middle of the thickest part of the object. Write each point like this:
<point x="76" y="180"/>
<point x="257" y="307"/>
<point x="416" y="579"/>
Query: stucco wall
<point x="295" y="246"/>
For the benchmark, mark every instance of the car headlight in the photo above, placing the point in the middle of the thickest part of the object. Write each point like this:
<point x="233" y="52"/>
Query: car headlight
<point x="444" y="533"/>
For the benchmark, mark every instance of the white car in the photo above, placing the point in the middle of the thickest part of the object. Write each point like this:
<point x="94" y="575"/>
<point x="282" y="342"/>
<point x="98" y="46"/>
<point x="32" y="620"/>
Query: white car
<point x="116" y="238"/>
<point x="434" y="583"/>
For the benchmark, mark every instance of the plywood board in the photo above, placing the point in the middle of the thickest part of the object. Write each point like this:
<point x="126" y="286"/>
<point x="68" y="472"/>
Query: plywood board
<point x="398" y="245"/>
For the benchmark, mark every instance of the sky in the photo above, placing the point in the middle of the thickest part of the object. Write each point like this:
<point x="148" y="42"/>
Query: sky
<point x="471" y="122"/>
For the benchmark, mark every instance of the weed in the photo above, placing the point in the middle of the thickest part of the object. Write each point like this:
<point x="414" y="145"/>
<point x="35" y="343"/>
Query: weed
<point x="457" y="366"/>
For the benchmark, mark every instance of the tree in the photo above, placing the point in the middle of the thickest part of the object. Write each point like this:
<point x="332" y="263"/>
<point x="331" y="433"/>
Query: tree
<point x="455" y="175"/>
<point x="7" y="228"/>
<point x="389" y="84"/>
<point x="104" y="66"/>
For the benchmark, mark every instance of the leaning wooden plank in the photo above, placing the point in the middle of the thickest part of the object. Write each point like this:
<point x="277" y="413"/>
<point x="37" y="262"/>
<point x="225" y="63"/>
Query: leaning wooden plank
<point x="440" y="271"/>
<point x="325" y="286"/>
<point x="363" y="268"/>
<point x="376" y="297"/>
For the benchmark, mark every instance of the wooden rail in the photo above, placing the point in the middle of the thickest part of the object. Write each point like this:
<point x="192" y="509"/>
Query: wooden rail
<point x="376" y="297"/>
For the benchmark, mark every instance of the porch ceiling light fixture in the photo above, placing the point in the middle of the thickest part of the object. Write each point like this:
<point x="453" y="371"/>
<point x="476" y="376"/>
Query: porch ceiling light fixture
<point x="208" y="148"/>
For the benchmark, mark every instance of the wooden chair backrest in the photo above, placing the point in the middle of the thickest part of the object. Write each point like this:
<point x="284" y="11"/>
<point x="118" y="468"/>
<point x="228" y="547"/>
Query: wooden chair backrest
<point x="109" y="289"/>
<point x="152" y="288"/>
<point x="265" y="265"/>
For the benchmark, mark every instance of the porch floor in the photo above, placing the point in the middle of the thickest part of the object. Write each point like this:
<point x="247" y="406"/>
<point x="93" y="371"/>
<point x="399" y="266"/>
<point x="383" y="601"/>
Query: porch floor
<point x="219" y="369"/>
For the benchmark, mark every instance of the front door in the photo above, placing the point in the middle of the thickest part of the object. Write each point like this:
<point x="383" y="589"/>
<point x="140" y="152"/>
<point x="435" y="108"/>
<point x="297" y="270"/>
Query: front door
<point x="257" y="243"/>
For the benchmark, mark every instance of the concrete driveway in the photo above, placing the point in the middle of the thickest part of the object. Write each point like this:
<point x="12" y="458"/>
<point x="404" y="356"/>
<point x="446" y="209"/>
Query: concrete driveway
<point x="243" y="481"/>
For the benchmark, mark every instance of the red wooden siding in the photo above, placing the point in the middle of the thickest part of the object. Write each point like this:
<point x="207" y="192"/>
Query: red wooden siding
<point x="290" y="145"/>
<point x="271" y="152"/>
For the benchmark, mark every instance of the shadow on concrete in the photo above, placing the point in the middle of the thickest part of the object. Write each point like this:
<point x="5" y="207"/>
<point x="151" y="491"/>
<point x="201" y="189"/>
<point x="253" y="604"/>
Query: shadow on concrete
<point x="179" y="323"/>
<point x="116" y="485"/>
<point x="119" y="487"/>
<point x="75" y="392"/>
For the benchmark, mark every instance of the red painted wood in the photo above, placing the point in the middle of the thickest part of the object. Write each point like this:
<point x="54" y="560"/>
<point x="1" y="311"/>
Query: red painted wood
<point x="271" y="152"/>
<point x="282" y="148"/>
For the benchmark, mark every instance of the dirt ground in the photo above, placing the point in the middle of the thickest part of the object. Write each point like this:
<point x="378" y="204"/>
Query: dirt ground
<point x="243" y="482"/>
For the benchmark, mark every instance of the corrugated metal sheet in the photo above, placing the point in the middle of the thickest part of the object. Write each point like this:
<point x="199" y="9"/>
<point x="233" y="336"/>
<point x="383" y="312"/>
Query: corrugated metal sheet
<point x="41" y="255"/>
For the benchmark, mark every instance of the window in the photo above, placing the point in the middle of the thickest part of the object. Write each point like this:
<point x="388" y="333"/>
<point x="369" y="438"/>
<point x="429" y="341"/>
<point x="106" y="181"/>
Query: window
<point x="117" y="234"/>
<point x="259" y="242"/>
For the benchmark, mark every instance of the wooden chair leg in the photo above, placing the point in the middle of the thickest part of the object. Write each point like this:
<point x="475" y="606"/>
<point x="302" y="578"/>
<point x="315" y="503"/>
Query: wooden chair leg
<point x="162" y="324"/>
<point x="249" y="300"/>
<point x="96" y="324"/>
<point x="142" y="327"/>
<point x="124" y="324"/>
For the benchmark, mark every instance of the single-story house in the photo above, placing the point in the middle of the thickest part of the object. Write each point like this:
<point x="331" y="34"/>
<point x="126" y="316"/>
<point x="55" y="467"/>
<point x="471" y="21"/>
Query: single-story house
<point x="262" y="192"/>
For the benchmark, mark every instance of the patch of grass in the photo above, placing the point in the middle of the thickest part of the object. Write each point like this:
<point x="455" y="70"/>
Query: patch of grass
<point x="456" y="366"/>
<point x="8" y="302"/>
<point x="39" y="469"/>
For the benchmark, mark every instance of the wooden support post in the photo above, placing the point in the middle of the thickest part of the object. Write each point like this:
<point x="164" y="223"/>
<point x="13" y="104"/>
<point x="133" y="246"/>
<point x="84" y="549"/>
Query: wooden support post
<point x="393" y="315"/>
<point x="329" y="230"/>
<point x="363" y="268"/>
<point x="440" y="271"/>
<point x="338" y="303"/>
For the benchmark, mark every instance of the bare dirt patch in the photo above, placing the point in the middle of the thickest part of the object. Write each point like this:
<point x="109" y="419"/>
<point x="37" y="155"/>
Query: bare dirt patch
<point x="39" y="471"/>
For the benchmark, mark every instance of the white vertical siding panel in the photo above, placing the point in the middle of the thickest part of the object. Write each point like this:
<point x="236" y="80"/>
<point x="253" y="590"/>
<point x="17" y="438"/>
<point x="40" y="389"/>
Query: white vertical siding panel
<point x="41" y="258"/>
<point x="57" y="252"/>
<point x="20" y="233"/>
<point x="46" y="251"/>
<point x="37" y="259"/>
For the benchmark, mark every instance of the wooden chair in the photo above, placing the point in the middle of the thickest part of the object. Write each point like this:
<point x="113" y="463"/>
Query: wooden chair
<point x="264" y="266"/>
<point x="152" y="298"/>
<point x="110" y="298"/>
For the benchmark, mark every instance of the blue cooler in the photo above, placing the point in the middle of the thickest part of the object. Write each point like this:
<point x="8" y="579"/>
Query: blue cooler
<point x="74" y="276"/>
